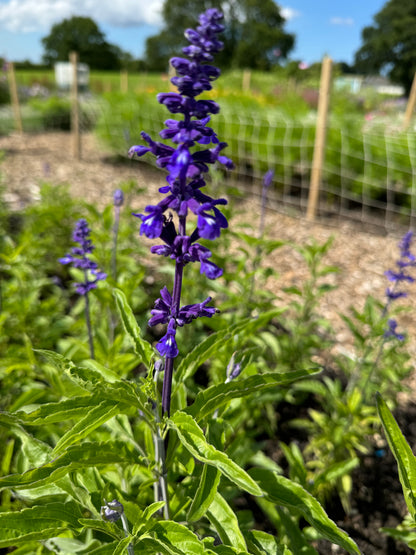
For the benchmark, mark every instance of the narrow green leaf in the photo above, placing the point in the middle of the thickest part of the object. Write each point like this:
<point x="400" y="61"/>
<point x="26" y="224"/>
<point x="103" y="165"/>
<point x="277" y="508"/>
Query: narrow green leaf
<point x="225" y="522"/>
<point x="213" y="398"/>
<point x="38" y="523"/>
<point x="150" y="510"/>
<point x="193" y="439"/>
<point x="92" y="420"/>
<point x="282" y="491"/>
<point x="205" y="493"/>
<point x="142" y="348"/>
<point x="402" y="452"/>
<point x="204" y="350"/>
<point x="74" y="458"/>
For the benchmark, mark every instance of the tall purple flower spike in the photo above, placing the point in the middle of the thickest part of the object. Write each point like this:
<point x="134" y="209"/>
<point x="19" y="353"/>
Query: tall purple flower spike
<point x="407" y="260"/>
<point x="79" y="258"/>
<point x="187" y="162"/>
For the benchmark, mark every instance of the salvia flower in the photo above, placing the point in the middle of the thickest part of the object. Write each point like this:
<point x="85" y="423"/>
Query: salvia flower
<point x="398" y="277"/>
<point x="195" y="147"/>
<point x="79" y="258"/>
<point x="391" y="331"/>
<point x="112" y="511"/>
<point x="118" y="197"/>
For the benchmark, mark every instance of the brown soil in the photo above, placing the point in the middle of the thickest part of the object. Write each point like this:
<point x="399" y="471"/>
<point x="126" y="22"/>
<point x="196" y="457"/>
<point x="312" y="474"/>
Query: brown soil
<point x="362" y="258"/>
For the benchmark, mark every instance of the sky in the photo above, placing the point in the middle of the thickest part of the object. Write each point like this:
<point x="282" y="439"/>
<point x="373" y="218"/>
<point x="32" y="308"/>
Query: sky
<point x="321" y="27"/>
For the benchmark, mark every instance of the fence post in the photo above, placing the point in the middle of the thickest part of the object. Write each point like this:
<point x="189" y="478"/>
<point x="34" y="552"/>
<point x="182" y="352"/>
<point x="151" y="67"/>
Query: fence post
<point x="246" y="80"/>
<point x="76" y="136"/>
<point x="124" y="81"/>
<point x="320" y="137"/>
<point x="410" y="105"/>
<point x="14" y="96"/>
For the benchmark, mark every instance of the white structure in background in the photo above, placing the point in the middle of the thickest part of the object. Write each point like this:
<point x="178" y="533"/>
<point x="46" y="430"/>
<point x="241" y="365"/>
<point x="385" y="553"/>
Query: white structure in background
<point x="358" y="83"/>
<point x="63" y="75"/>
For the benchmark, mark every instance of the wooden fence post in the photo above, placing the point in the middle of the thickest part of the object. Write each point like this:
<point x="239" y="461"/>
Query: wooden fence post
<point x="410" y="105"/>
<point x="124" y="81"/>
<point x="14" y="96"/>
<point x="320" y="137"/>
<point x="246" y="80"/>
<point x="76" y="136"/>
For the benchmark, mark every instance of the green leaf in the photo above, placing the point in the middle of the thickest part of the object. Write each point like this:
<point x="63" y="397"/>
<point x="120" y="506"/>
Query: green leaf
<point x="213" y="398"/>
<point x="261" y="543"/>
<point x="193" y="439"/>
<point x="109" y="528"/>
<point x="92" y="420"/>
<point x="179" y="537"/>
<point x="75" y="457"/>
<point x="150" y="510"/>
<point x="38" y="523"/>
<point x="208" y="347"/>
<point x="92" y="380"/>
<point x="402" y="452"/>
<point x="225" y="522"/>
<point x="142" y="348"/>
<point x="282" y="491"/>
<point x="205" y="493"/>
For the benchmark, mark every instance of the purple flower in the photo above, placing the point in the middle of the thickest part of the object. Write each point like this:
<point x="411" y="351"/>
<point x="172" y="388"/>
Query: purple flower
<point x="79" y="258"/>
<point x="391" y="331"/>
<point x="167" y="345"/>
<point x="164" y="312"/>
<point x="112" y="511"/>
<point x="407" y="260"/>
<point x="118" y="197"/>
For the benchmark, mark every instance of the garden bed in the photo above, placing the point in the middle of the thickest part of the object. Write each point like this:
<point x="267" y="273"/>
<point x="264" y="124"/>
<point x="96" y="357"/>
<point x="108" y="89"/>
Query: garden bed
<point x="362" y="259"/>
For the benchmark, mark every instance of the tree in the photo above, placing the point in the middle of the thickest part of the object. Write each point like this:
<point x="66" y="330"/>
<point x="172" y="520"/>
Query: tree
<point x="253" y="38"/>
<point x="80" y="34"/>
<point x="389" y="45"/>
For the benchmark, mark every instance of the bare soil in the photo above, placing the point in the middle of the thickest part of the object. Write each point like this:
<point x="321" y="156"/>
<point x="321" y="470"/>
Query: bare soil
<point x="362" y="259"/>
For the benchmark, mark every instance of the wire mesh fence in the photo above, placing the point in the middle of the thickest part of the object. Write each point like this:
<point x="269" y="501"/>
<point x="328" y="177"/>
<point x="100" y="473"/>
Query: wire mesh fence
<point x="369" y="173"/>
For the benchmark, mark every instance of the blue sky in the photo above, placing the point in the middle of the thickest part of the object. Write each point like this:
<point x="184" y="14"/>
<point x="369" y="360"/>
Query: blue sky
<point x="321" y="26"/>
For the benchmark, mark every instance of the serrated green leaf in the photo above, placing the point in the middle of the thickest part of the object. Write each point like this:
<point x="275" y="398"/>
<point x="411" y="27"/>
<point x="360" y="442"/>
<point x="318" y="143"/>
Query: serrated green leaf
<point x="402" y="452"/>
<point x="193" y="439"/>
<point x="74" y="458"/>
<point x="204" y="350"/>
<point x="225" y="522"/>
<point x="205" y="493"/>
<point x="38" y="523"/>
<point x="213" y="398"/>
<point x="92" y="420"/>
<point x="142" y="348"/>
<point x="282" y="491"/>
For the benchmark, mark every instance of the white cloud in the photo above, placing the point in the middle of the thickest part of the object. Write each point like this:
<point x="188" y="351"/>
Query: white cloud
<point x="24" y="16"/>
<point x="289" y="13"/>
<point x="341" y="21"/>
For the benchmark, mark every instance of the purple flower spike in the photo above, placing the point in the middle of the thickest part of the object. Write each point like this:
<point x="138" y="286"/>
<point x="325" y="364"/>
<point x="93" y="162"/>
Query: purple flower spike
<point x="196" y="148"/>
<point x="79" y="258"/>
